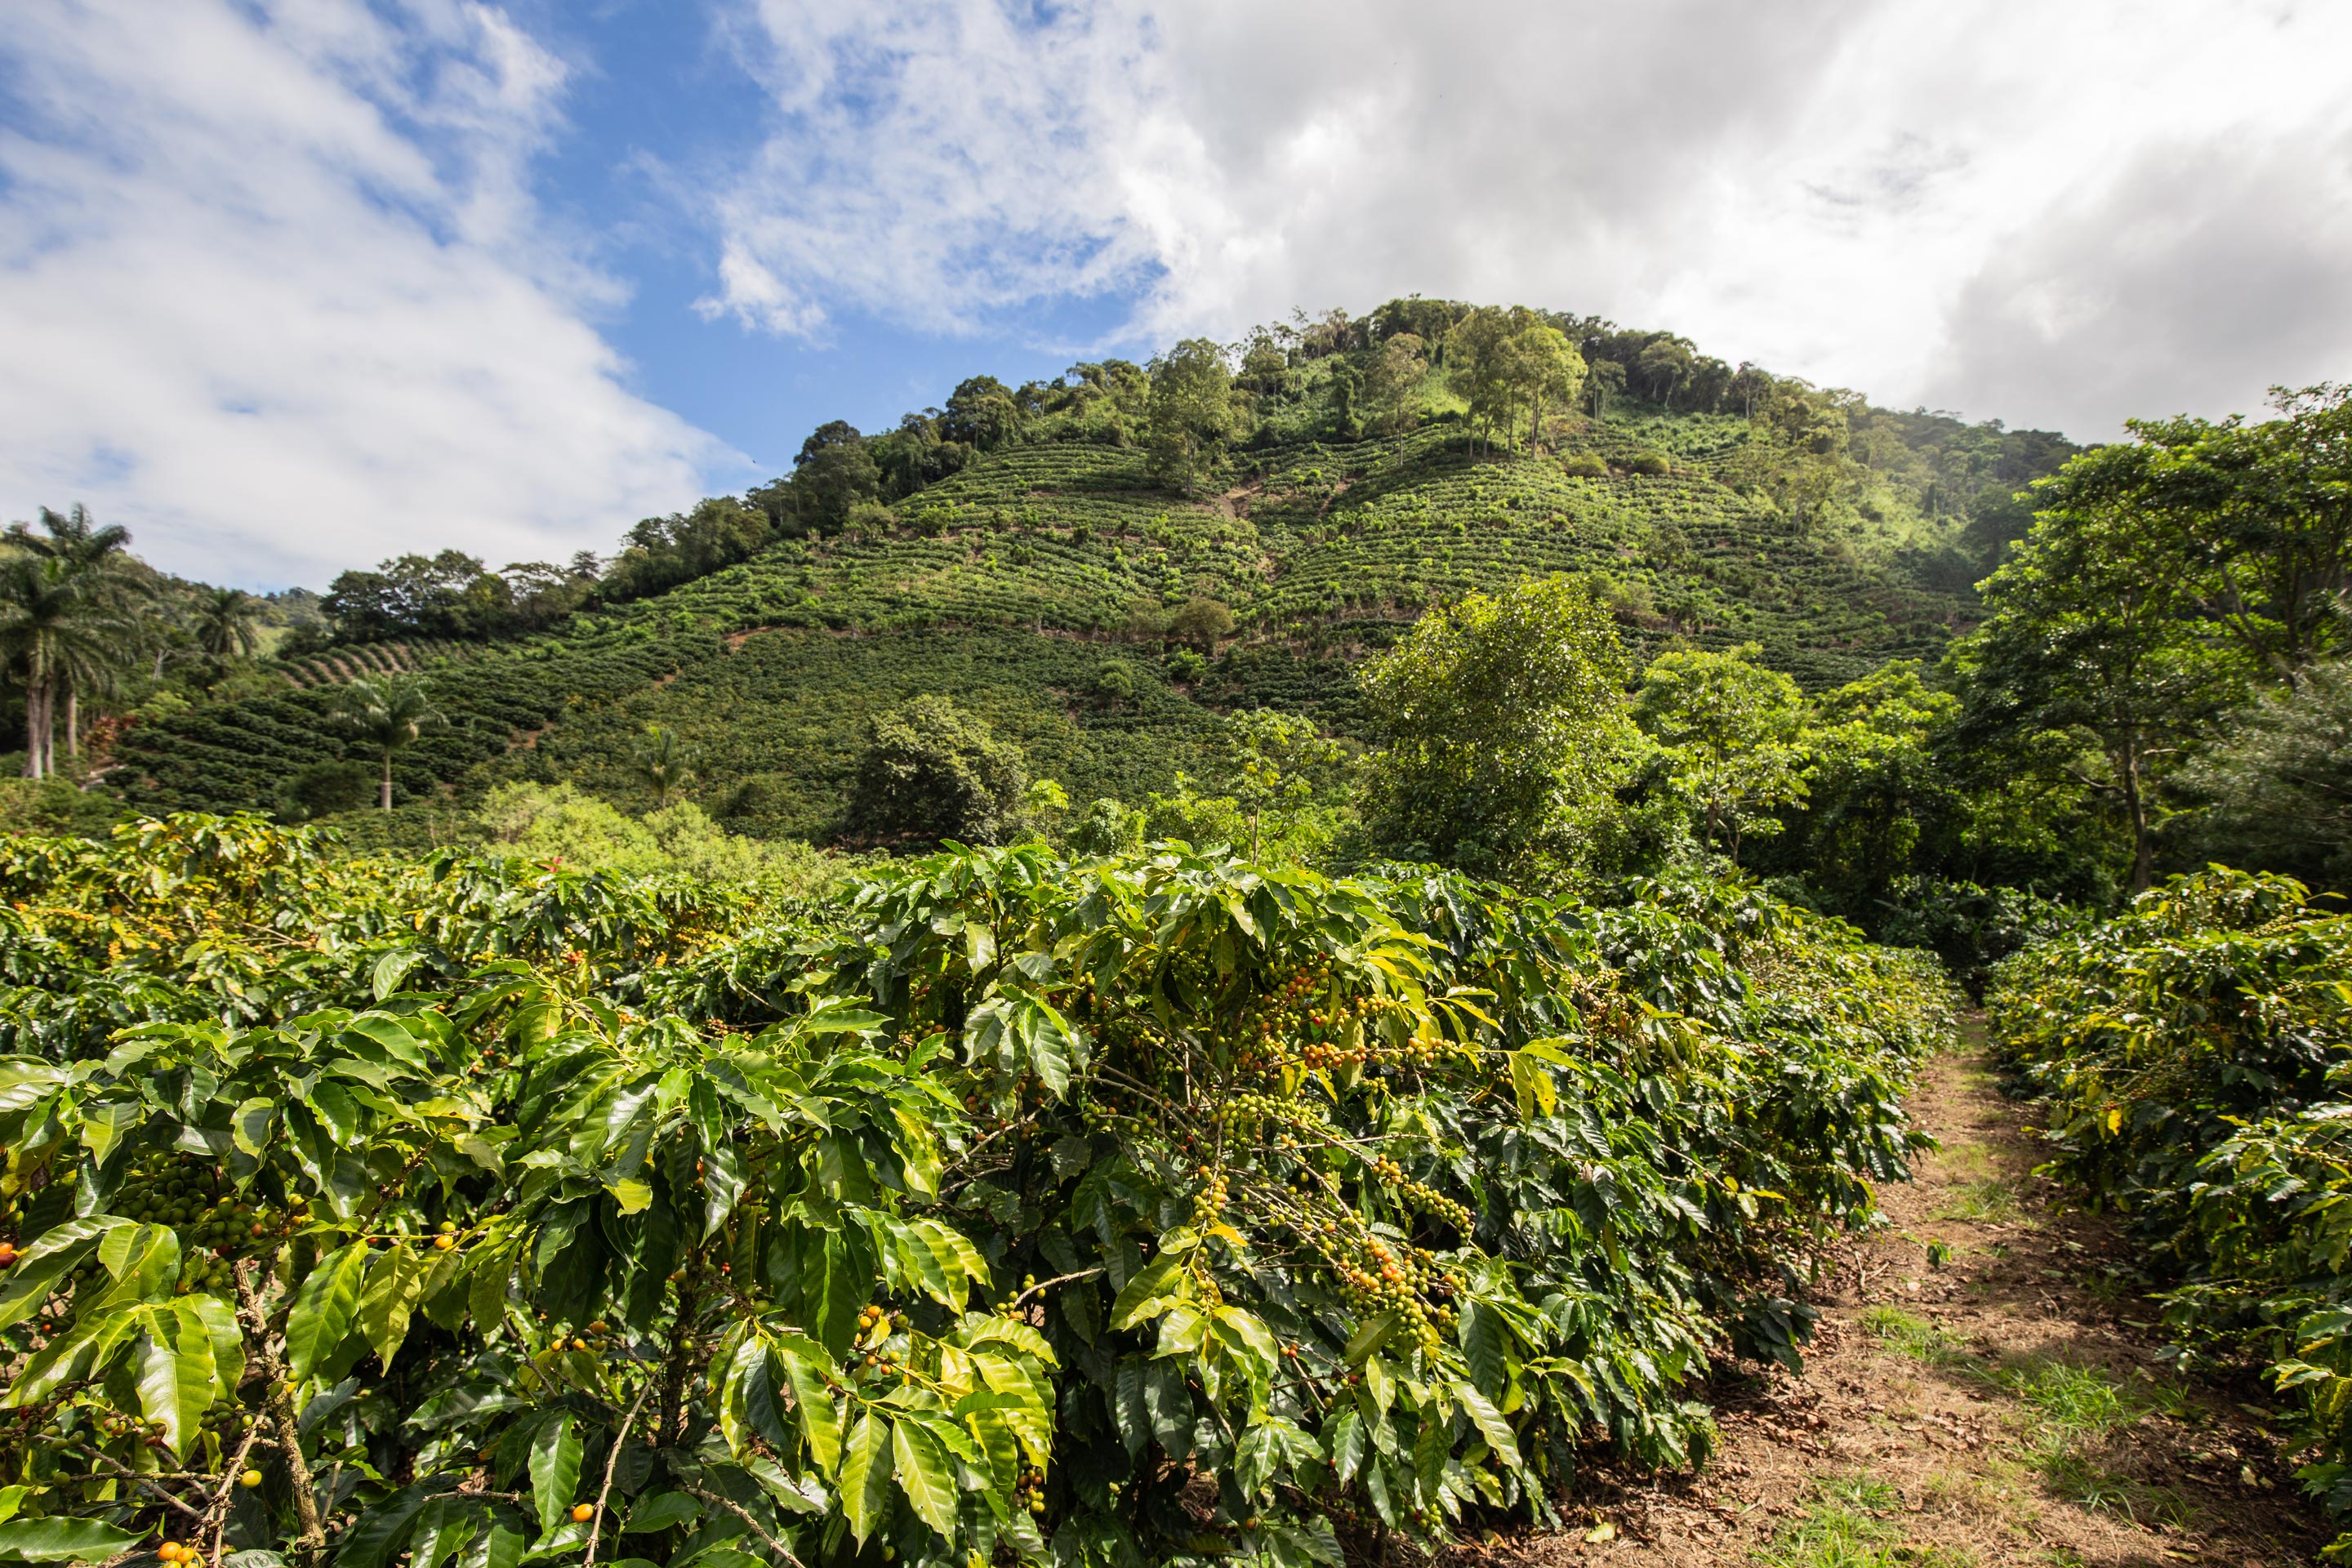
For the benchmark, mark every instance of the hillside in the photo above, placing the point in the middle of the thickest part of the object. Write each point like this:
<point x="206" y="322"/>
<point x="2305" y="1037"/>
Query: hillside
<point x="1010" y="584"/>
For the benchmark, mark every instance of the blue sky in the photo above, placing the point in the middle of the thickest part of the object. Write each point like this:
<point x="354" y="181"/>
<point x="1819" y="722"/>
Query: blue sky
<point x="291" y="285"/>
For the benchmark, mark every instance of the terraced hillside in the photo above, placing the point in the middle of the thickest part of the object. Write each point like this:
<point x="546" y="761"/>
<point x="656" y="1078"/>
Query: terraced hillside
<point x="1010" y="586"/>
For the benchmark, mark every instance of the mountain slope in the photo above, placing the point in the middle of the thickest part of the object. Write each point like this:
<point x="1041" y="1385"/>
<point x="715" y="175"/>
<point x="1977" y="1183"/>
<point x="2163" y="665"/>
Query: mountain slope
<point x="1010" y="584"/>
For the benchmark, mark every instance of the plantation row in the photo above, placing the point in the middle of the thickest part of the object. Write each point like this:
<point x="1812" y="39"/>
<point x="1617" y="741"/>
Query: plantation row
<point x="1157" y="1209"/>
<point x="1323" y="552"/>
<point x="364" y="659"/>
<point x="2195" y="1054"/>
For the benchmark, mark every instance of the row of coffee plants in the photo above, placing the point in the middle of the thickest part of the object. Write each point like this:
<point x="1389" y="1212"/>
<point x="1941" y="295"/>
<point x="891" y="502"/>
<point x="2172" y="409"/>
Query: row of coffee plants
<point x="1322" y="549"/>
<point x="1156" y="1210"/>
<point x="2196" y="1056"/>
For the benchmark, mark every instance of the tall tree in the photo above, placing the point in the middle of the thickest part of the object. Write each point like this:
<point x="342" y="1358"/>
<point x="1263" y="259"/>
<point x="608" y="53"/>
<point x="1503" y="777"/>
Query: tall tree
<point x="1480" y="367"/>
<point x="1733" y="733"/>
<point x="59" y="634"/>
<point x="1545" y="368"/>
<point x="388" y="714"/>
<point x="1191" y="416"/>
<point x="1499" y="720"/>
<point x="2260" y="517"/>
<point x="1390" y="379"/>
<point x="226" y="622"/>
<point x="2088" y="636"/>
<point x="662" y="764"/>
<point x="97" y="560"/>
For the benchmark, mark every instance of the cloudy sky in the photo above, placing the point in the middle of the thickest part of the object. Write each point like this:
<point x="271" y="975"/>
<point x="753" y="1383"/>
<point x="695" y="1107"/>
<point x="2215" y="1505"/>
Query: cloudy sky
<point x="288" y="285"/>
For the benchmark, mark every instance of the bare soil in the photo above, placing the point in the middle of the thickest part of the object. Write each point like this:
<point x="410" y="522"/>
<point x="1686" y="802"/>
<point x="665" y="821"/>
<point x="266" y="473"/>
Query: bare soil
<point x="1986" y="1388"/>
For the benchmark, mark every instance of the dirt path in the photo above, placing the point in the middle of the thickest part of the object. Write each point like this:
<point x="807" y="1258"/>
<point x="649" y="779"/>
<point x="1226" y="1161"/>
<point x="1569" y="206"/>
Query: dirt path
<point x="1998" y="1402"/>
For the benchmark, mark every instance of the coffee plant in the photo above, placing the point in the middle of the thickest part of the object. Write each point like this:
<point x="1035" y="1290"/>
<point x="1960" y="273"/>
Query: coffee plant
<point x="2195" y="1054"/>
<point x="1153" y="1209"/>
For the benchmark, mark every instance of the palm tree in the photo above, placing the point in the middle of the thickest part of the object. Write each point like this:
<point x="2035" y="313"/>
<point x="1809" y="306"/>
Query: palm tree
<point x="662" y="764"/>
<point x="226" y="622"/>
<point x="387" y="714"/>
<point x="99" y="558"/>
<point x="59" y="633"/>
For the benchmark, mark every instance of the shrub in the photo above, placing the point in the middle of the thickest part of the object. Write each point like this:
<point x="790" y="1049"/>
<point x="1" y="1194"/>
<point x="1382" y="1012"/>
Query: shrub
<point x="1094" y="1214"/>
<point x="2194" y="1054"/>
<point x="1115" y="682"/>
<point x="1652" y="463"/>
<point x="322" y="789"/>
<point x="933" y="773"/>
<point x="1584" y="466"/>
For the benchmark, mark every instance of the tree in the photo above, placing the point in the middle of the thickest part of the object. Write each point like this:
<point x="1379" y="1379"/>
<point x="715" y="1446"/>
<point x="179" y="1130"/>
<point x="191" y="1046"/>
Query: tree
<point x="1479" y="367"/>
<point x="1732" y="731"/>
<point x="831" y="474"/>
<point x="1499" y="720"/>
<point x="98" y="562"/>
<point x="932" y="773"/>
<point x="226" y="622"/>
<point x="1283" y="768"/>
<point x="1876" y="794"/>
<point x="661" y="764"/>
<point x="1276" y="784"/>
<point x="1202" y="622"/>
<point x="2279" y="789"/>
<point x="1545" y="368"/>
<point x="1190" y="417"/>
<point x="982" y="413"/>
<point x="1393" y="376"/>
<point x="2260" y="516"/>
<point x="2087" y="636"/>
<point x="59" y="634"/>
<point x="388" y="714"/>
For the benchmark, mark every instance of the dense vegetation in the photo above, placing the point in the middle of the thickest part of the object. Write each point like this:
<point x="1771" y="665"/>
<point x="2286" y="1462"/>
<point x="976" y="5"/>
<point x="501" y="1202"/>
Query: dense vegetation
<point x="1152" y="1209"/>
<point x="2195" y="1054"/>
<point x="1326" y="998"/>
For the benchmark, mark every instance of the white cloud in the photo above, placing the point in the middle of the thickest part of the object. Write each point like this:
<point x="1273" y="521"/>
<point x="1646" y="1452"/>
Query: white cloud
<point x="275" y="296"/>
<point x="1874" y="195"/>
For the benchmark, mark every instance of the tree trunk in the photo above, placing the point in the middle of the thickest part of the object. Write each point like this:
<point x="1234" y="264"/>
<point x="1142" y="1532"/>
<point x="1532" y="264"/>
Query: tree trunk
<point x="39" y="730"/>
<point x="73" y="723"/>
<point x="2135" y="805"/>
<point x="387" y="780"/>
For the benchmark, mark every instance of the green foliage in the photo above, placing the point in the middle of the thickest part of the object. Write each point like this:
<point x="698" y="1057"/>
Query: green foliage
<point x="1731" y="732"/>
<point x="1277" y="790"/>
<point x="996" y="1205"/>
<point x="2278" y="789"/>
<point x="1498" y="722"/>
<point x="1192" y="414"/>
<point x="559" y="826"/>
<point x="322" y="789"/>
<point x="2088" y="637"/>
<point x="931" y="774"/>
<point x="2195" y="1054"/>
<point x="662" y="764"/>
<point x="386" y="716"/>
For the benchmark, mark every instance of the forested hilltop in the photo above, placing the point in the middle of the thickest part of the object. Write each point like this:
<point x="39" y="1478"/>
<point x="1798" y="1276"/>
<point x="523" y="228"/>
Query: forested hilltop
<point x="1080" y="586"/>
<point x="1096" y="568"/>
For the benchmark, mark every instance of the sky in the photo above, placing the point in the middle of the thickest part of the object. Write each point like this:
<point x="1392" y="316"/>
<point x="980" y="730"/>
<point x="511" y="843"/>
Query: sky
<point x="290" y="286"/>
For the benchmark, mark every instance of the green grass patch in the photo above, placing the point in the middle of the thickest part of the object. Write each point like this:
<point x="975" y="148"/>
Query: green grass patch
<point x="1988" y="1200"/>
<point x="1847" y="1526"/>
<point x="1908" y="1333"/>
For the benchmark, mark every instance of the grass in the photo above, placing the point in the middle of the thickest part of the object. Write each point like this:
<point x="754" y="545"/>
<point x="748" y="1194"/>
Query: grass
<point x="1845" y="1527"/>
<point x="1987" y="1201"/>
<point x="1908" y="1333"/>
<point x="2077" y="1412"/>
